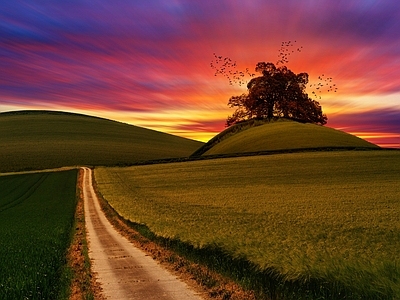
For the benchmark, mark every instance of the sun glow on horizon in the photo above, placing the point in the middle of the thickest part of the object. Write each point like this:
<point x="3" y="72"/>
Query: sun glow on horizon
<point x="180" y="123"/>
<point x="153" y="70"/>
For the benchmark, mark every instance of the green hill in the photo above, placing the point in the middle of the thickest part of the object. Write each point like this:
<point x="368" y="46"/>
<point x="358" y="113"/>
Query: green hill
<point x="261" y="136"/>
<point x="33" y="140"/>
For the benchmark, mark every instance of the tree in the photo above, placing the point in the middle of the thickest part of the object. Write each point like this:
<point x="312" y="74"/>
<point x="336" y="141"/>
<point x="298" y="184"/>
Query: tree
<point x="278" y="92"/>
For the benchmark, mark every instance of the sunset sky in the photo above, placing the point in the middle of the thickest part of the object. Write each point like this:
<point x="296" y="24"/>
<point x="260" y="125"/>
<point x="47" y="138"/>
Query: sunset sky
<point x="147" y="63"/>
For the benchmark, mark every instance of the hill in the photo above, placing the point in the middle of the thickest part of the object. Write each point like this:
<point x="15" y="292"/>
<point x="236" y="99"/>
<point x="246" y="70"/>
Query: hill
<point x="33" y="140"/>
<point x="282" y="134"/>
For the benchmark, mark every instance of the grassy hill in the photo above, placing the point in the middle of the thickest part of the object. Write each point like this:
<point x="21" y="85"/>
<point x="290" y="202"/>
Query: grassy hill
<point x="260" y="136"/>
<point x="33" y="140"/>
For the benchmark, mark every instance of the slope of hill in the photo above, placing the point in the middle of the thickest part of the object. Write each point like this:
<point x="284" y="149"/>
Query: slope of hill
<point x="258" y="136"/>
<point x="32" y="140"/>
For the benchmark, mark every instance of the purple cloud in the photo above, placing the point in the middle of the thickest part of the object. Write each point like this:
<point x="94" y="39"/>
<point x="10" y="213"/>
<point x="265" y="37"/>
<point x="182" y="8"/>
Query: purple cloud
<point x="379" y="126"/>
<point x="154" y="55"/>
<point x="381" y="120"/>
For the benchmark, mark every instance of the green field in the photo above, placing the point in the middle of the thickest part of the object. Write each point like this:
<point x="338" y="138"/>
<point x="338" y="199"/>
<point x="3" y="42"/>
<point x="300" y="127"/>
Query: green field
<point x="259" y="136"/>
<point x="321" y="225"/>
<point x="34" y="140"/>
<point x="36" y="219"/>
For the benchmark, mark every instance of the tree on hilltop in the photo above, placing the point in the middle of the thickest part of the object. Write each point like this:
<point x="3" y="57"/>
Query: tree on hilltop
<point x="278" y="92"/>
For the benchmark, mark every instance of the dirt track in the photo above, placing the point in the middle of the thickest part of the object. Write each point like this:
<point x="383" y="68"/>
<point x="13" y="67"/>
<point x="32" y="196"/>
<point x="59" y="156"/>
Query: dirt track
<point x="123" y="271"/>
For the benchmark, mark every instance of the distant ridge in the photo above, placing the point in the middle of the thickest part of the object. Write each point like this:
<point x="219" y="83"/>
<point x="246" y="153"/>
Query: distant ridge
<point x="279" y="135"/>
<point x="47" y="112"/>
<point x="37" y="139"/>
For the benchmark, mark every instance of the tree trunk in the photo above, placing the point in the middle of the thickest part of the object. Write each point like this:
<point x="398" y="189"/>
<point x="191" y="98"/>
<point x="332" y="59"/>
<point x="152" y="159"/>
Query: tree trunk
<point x="270" y="109"/>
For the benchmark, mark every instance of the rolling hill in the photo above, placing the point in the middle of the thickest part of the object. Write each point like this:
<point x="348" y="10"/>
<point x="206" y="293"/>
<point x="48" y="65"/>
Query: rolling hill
<point x="261" y="136"/>
<point x="33" y="140"/>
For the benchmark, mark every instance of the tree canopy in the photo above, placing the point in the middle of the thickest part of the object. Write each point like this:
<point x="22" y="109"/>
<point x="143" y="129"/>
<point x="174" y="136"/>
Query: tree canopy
<point x="278" y="92"/>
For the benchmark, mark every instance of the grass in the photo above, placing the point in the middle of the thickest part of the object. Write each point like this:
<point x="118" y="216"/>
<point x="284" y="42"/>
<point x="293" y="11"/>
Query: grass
<point x="83" y="284"/>
<point x="173" y="255"/>
<point x="35" y="140"/>
<point x="306" y="225"/>
<point x="258" y="136"/>
<point x="36" y="219"/>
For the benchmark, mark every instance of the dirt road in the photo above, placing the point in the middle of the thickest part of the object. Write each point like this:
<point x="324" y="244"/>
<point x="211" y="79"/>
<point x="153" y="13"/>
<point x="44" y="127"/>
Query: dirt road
<point x="123" y="271"/>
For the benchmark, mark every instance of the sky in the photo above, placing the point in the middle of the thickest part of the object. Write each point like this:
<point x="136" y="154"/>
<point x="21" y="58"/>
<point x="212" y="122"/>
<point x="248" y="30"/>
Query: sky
<point x="147" y="63"/>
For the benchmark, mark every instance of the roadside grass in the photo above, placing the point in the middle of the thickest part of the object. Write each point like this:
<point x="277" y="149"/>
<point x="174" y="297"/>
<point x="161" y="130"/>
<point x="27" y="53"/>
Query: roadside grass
<point x="281" y="134"/>
<point x="35" y="140"/>
<point x="36" y="219"/>
<point x="319" y="225"/>
<point x="83" y="283"/>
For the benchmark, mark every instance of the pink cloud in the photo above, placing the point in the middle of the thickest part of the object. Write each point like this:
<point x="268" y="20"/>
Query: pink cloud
<point x="154" y="56"/>
<point x="380" y="126"/>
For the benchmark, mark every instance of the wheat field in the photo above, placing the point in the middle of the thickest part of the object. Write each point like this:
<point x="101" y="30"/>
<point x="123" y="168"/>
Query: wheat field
<point x="331" y="216"/>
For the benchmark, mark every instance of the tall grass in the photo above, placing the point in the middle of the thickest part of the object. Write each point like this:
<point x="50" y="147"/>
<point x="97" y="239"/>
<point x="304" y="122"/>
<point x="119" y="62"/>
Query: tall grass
<point x="36" y="219"/>
<point x="313" y="225"/>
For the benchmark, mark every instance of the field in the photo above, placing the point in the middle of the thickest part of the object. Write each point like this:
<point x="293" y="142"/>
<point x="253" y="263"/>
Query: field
<point x="35" y="140"/>
<point x="321" y="225"/>
<point x="36" y="219"/>
<point x="279" y="135"/>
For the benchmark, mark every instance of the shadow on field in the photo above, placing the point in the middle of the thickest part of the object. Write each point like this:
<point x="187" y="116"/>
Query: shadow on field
<point x="257" y="283"/>
<point x="266" y="284"/>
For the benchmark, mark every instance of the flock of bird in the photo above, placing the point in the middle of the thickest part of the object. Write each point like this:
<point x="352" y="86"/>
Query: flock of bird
<point x="226" y="67"/>
<point x="324" y="83"/>
<point x="285" y="51"/>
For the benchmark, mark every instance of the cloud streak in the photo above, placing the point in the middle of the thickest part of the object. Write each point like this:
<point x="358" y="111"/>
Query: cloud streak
<point x="153" y="57"/>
